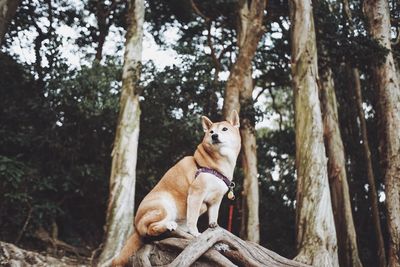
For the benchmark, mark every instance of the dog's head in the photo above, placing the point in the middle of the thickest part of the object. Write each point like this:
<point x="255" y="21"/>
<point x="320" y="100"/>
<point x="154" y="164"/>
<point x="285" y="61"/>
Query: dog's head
<point x="224" y="136"/>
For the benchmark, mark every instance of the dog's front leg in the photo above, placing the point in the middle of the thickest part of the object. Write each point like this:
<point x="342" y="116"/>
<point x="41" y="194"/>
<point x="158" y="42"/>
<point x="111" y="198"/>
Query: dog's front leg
<point x="213" y="211"/>
<point x="194" y="203"/>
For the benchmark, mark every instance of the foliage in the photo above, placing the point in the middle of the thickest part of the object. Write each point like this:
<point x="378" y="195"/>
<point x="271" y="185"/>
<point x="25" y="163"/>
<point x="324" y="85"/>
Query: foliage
<point x="277" y="189"/>
<point x="56" y="149"/>
<point x="341" y="42"/>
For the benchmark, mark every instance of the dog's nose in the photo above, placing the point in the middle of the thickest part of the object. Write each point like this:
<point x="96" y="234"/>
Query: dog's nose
<point x="214" y="137"/>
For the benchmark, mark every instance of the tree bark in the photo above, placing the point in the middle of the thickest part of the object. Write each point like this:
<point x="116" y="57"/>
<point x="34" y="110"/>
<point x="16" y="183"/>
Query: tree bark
<point x="214" y="247"/>
<point x="250" y="202"/>
<point x="8" y="8"/>
<point x="316" y="234"/>
<point x="120" y="212"/>
<point x="250" y="184"/>
<point x="388" y="110"/>
<point x="341" y="202"/>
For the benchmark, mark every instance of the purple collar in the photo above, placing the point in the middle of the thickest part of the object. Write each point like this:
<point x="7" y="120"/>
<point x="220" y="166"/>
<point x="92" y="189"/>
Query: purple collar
<point x="216" y="173"/>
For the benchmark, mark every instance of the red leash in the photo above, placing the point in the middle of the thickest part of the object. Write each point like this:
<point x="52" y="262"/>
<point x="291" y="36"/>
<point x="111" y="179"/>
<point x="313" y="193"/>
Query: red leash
<point x="230" y="218"/>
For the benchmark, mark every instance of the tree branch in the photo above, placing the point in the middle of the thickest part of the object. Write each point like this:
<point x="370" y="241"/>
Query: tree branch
<point x="211" y="255"/>
<point x="198" y="12"/>
<point x="28" y="218"/>
<point x="275" y="107"/>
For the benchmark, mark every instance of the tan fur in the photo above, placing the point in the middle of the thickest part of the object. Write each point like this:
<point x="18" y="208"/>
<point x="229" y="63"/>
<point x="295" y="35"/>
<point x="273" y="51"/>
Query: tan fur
<point x="179" y="198"/>
<point x="133" y="243"/>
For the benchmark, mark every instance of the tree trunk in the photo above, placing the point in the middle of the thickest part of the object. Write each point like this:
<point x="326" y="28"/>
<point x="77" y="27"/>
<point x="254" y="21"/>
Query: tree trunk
<point x="103" y="28"/>
<point x="214" y="247"/>
<point x="341" y="202"/>
<point x="250" y="205"/>
<point x="370" y="173"/>
<point x="100" y="43"/>
<point x="120" y="212"/>
<point x="356" y="84"/>
<point x="316" y="234"/>
<point x="247" y="48"/>
<point x="238" y="91"/>
<point x="388" y="110"/>
<point x="8" y="8"/>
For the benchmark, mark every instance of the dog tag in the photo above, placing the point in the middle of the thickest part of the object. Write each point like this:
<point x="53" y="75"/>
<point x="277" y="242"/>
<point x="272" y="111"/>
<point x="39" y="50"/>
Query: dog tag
<point x="231" y="195"/>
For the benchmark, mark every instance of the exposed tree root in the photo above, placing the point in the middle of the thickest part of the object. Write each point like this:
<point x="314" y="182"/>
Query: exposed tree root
<point x="11" y="255"/>
<point x="215" y="247"/>
<point x="45" y="237"/>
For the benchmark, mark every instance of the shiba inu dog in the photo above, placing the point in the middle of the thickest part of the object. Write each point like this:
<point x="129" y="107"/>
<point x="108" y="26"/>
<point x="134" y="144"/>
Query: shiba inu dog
<point x="195" y="184"/>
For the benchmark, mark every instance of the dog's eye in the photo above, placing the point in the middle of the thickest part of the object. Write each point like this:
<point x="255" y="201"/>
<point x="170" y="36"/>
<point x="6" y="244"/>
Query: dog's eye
<point x="224" y="129"/>
<point x="211" y="132"/>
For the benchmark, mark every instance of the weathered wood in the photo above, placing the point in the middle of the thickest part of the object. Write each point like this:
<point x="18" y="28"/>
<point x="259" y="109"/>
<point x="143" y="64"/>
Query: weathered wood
<point x="197" y="248"/>
<point x="215" y="247"/>
<point x="211" y="255"/>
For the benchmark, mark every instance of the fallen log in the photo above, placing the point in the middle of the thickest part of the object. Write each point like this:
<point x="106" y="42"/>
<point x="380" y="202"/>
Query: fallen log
<point x="214" y="247"/>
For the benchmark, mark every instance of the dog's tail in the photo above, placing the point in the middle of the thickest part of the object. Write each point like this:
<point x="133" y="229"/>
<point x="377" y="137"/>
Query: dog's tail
<point x="133" y="244"/>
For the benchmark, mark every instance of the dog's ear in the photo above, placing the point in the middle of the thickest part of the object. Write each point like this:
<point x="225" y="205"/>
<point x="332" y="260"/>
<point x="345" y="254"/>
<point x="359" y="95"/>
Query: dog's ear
<point x="234" y="119"/>
<point x="206" y="122"/>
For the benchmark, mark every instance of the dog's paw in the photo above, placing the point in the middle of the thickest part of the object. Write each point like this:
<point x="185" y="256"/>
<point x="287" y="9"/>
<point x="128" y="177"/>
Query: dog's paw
<point x="213" y="225"/>
<point x="221" y="247"/>
<point x="171" y="226"/>
<point x="194" y="233"/>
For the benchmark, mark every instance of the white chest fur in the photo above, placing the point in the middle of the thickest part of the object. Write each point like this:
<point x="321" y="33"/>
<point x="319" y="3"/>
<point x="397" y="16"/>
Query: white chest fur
<point x="215" y="189"/>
